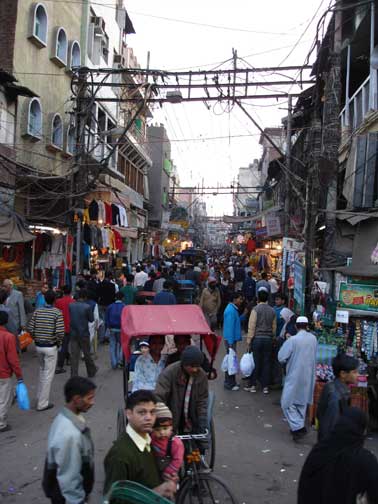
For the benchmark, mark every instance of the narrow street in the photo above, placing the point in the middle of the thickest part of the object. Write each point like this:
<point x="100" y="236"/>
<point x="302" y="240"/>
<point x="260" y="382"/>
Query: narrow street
<point x="255" y="454"/>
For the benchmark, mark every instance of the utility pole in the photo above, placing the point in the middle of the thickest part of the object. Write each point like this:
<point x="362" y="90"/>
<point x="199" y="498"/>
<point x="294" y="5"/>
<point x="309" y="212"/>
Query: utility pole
<point x="80" y="175"/>
<point x="288" y="167"/>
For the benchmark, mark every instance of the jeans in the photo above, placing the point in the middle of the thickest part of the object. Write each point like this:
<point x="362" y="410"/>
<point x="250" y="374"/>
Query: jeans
<point x="101" y="329"/>
<point x="47" y="362"/>
<point x="5" y="400"/>
<point x="262" y="354"/>
<point x="81" y="344"/>
<point x="115" y="347"/>
<point x="229" y="380"/>
<point x="63" y="352"/>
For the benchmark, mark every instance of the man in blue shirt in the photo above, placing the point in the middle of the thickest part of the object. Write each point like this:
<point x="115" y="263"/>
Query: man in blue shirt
<point x="232" y="333"/>
<point x="166" y="296"/>
<point x="249" y="287"/>
<point x="113" y="323"/>
<point x="40" y="301"/>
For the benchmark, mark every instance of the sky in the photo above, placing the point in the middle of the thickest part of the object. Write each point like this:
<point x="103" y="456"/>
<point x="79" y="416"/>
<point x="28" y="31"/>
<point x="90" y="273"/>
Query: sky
<point x="264" y="33"/>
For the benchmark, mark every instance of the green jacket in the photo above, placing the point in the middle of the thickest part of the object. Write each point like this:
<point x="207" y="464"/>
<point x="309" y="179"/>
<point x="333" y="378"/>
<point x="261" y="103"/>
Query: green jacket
<point x="125" y="461"/>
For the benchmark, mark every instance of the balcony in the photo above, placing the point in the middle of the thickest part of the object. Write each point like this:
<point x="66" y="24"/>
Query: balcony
<point x="358" y="105"/>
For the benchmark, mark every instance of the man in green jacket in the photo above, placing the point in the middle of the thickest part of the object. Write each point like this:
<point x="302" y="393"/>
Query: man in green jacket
<point x="130" y="457"/>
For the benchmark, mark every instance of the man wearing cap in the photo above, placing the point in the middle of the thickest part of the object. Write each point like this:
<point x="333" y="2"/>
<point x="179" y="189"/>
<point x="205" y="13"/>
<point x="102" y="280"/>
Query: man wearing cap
<point x="298" y="353"/>
<point x="261" y="331"/>
<point x="183" y="387"/>
<point x="210" y="302"/>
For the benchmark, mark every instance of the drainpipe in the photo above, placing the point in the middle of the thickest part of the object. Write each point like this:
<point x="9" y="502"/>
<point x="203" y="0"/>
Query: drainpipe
<point x="84" y="31"/>
<point x="373" y="71"/>
<point x="347" y="80"/>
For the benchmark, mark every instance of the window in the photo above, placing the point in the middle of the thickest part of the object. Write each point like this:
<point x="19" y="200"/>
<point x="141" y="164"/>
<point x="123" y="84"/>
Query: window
<point x="71" y="140"/>
<point x="34" y="120"/>
<point x="60" y="48"/>
<point x="57" y="132"/>
<point x="38" y="31"/>
<point x="74" y="55"/>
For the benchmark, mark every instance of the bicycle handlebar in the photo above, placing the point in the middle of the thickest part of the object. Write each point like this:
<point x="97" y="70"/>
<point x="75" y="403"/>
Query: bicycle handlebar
<point x="188" y="437"/>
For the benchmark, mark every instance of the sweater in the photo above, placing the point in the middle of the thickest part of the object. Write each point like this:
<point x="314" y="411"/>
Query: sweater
<point x="125" y="461"/>
<point x="69" y="466"/>
<point x="63" y="305"/>
<point x="9" y="362"/>
<point x="47" y="327"/>
<point x="113" y="315"/>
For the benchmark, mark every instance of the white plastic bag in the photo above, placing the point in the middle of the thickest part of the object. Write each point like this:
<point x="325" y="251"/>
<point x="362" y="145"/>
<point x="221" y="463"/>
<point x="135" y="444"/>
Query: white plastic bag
<point x="233" y="364"/>
<point x="247" y="364"/>
<point x="224" y="366"/>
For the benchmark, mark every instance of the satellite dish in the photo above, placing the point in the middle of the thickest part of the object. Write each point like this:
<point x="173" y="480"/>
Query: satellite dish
<point x="374" y="58"/>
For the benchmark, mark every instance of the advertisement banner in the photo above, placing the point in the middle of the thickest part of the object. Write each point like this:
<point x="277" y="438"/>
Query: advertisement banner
<point x="273" y="225"/>
<point x="359" y="297"/>
<point x="299" y="285"/>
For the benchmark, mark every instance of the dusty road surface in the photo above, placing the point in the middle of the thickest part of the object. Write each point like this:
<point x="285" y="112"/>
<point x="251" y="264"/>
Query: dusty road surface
<point x="255" y="453"/>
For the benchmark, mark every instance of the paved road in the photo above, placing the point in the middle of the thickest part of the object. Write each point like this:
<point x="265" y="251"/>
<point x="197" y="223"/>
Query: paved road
<point x="255" y="454"/>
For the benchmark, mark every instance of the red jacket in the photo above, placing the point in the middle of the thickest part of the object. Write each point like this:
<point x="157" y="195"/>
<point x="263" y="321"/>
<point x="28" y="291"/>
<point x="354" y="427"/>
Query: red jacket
<point x="9" y="362"/>
<point x="63" y="304"/>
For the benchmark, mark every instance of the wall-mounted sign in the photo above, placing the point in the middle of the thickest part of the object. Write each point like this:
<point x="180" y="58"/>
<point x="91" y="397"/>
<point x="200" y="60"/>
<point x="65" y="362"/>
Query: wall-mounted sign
<point x="359" y="297"/>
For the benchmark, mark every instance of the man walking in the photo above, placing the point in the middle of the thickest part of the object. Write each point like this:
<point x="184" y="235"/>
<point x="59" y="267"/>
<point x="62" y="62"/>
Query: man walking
<point x="166" y="296"/>
<point x="15" y="301"/>
<point x="47" y="329"/>
<point x="80" y="316"/>
<point x="232" y="333"/>
<point x="261" y="331"/>
<point x="9" y="364"/>
<point x="249" y="287"/>
<point x="298" y="353"/>
<point x="69" y="467"/>
<point x="210" y="302"/>
<point x="129" y="291"/>
<point x="140" y="278"/>
<point x="63" y="305"/>
<point x="113" y="323"/>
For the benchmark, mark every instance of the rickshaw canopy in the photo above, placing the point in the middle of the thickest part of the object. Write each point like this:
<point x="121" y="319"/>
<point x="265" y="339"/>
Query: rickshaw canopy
<point x="149" y="320"/>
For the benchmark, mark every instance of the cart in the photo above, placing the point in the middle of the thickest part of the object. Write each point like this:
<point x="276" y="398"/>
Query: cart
<point x="140" y="322"/>
<point x="186" y="292"/>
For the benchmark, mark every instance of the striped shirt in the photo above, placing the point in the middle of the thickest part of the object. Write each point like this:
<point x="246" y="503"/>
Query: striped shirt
<point x="47" y="326"/>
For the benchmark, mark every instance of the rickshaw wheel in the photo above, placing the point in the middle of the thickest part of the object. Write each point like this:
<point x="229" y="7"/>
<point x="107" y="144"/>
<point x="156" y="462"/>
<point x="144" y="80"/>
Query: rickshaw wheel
<point x="211" y="451"/>
<point x="121" y="423"/>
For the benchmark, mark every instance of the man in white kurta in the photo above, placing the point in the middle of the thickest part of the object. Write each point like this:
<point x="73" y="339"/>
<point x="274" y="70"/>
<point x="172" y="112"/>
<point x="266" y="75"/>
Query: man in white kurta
<point x="298" y="353"/>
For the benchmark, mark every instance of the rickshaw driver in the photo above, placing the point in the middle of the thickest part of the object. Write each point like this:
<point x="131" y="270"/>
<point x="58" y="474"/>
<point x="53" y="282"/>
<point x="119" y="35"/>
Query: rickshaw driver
<point x="183" y="387"/>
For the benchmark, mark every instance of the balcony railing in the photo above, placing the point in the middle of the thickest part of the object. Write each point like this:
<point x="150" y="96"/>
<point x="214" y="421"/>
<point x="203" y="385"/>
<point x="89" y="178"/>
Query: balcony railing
<point x="359" y="104"/>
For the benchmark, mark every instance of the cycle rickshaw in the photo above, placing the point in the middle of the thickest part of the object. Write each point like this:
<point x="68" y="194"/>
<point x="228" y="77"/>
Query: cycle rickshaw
<point x="198" y="483"/>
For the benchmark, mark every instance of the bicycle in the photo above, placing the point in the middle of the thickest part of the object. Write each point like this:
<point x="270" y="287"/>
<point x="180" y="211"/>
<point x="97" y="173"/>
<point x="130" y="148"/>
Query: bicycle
<point x="199" y="485"/>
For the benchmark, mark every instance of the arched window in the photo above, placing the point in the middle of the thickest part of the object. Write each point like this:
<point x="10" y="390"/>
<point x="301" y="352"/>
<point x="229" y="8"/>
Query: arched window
<point x="75" y="55"/>
<point x="71" y="140"/>
<point x="34" y="125"/>
<point x="61" y="47"/>
<point x="38" y="32"/>
<point x="57" y="132"/>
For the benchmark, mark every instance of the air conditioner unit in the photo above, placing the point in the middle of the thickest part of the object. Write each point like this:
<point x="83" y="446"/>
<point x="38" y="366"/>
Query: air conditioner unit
<point x="119" y="60"/>
<point x="99" y="25"/>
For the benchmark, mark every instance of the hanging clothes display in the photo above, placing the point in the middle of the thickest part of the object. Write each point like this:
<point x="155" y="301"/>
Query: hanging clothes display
<point x="108" y="214"/>
<point x="101" y="212"/>
<point x="93" y="210"/>
<point x="115" y="215"/>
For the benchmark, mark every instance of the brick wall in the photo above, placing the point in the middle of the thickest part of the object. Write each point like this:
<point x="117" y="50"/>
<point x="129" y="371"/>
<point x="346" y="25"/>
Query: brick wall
<point x="8" y="20"/>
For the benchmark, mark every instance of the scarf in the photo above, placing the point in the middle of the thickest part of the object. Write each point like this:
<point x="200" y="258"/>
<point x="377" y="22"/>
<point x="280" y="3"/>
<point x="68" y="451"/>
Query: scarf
<point x="286" y="315"/>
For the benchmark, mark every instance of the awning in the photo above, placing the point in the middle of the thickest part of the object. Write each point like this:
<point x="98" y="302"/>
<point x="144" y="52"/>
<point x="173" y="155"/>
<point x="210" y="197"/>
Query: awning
<point x="364" y="270"/>
<point x="127" y="232"/>
<point x="355" y="217"/>
<point x="12" y="228"/>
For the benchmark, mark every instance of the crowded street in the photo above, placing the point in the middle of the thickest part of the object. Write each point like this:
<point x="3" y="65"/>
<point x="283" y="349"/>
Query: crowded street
<point x="255" y="453"/>
<point x="188" y="252"/>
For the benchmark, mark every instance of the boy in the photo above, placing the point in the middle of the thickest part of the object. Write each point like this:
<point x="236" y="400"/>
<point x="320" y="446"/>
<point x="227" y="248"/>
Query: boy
<point x="168" y="449"/>
<point x="336" y="394"/>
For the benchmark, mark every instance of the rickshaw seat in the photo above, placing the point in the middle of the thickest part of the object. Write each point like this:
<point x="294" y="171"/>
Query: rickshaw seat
<point x="131" y="492"/>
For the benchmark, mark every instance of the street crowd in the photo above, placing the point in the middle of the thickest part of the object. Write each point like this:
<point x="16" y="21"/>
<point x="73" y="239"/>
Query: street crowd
<point x="170" y="381"/>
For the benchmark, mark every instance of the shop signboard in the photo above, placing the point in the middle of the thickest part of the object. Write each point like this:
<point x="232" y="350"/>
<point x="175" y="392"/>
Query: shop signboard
<point x="359" y="297"/>
<point x="299" y="285"/>
<point x="261" y="232"/>
<point x="273" y="225"/>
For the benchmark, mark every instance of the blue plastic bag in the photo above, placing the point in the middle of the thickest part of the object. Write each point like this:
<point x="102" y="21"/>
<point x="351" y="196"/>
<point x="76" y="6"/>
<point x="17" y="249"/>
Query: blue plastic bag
<point x="22" y="396"/>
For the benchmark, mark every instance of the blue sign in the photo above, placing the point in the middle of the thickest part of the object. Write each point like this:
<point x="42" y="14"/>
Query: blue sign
<point x="299" y="285"/>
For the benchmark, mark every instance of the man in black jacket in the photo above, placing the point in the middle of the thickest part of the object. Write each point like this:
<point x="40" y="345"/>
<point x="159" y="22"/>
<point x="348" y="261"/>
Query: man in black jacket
<point x="80" y="315"/>
<point x="335" y="396"/>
